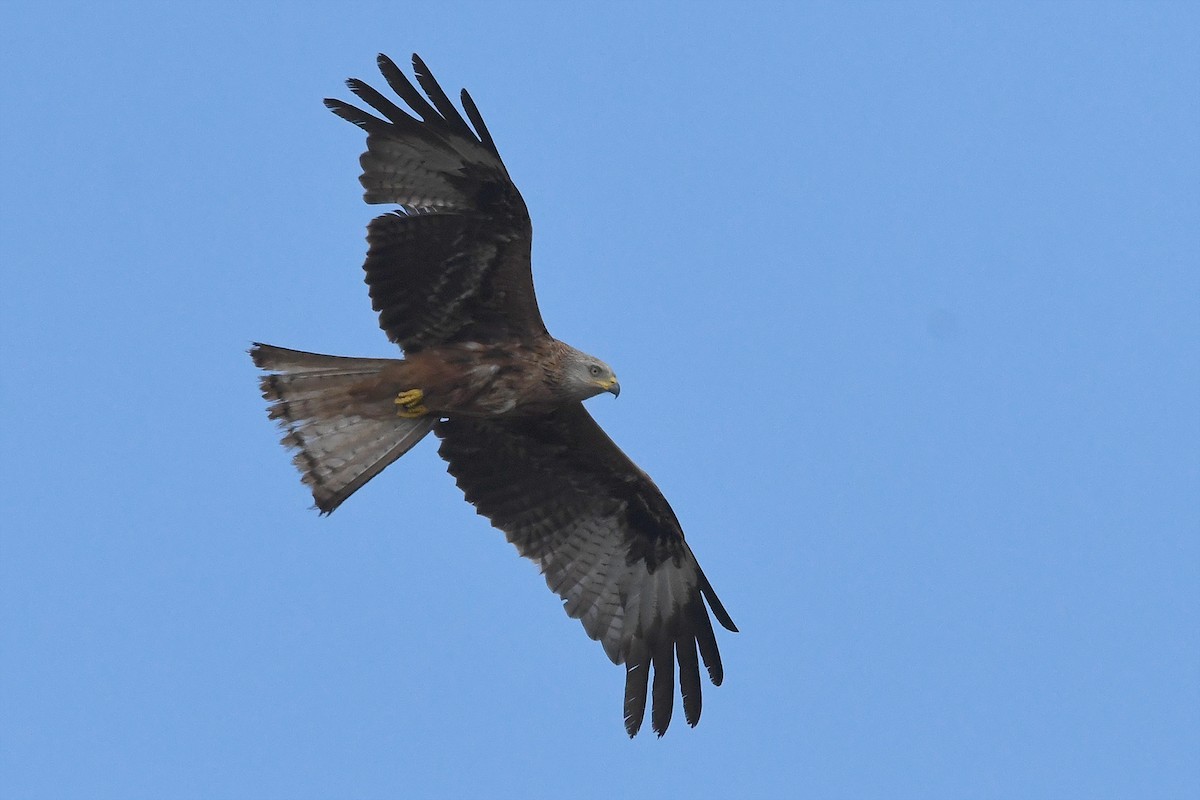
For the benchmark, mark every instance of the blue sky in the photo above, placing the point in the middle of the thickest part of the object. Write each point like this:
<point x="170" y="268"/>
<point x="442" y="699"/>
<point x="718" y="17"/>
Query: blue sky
<point x="904" y="300"/>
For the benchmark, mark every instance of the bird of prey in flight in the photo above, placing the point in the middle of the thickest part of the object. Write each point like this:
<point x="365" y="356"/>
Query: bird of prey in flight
<point x="449" y="275"/>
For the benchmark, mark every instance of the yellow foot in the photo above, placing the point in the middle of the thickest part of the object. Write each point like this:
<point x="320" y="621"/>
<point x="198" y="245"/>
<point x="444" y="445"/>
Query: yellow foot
<point x="410" y="404"/>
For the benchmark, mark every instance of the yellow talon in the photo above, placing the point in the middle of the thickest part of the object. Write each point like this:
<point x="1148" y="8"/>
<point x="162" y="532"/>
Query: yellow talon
<point x="410" y="404"/>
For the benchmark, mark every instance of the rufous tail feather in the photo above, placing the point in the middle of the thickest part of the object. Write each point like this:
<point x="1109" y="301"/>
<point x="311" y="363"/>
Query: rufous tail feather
<point x="338" y="416"/>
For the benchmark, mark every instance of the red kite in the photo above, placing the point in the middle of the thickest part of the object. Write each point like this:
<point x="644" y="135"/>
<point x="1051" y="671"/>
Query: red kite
<point x="449" y="274"/>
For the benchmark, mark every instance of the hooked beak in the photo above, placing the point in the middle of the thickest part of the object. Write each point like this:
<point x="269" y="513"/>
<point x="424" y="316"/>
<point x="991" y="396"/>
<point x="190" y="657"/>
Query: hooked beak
<point x="613" y="388"/>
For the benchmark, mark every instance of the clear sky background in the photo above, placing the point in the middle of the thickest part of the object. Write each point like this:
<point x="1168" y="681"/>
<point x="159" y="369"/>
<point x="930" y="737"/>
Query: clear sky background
<point x="905" y="301"/>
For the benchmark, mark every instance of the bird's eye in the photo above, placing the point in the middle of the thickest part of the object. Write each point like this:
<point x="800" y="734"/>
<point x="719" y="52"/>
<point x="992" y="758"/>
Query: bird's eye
<point x="594" y="370"/>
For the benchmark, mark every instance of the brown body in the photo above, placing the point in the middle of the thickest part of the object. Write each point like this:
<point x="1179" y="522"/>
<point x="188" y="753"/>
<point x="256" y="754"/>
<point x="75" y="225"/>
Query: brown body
<point x="478" y="380"/>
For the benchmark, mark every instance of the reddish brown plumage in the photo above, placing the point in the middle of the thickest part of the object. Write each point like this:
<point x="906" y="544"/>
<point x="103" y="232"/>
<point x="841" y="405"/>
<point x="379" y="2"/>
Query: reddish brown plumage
<point x="450" y="277"/>
<point x="477" y="380"/>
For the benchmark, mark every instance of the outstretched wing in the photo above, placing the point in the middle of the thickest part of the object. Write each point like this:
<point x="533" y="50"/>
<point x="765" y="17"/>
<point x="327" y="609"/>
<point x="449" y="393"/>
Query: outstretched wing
<point x="453" y="264"/>
<point x="606" y="540"/>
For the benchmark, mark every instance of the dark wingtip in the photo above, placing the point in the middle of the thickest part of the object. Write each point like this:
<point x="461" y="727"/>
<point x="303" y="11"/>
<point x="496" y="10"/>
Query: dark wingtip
<point x="637" y="681"/>
<point x="715" y="604"/>
<point x="354" y="115"/>
<point x="476" y="118"/>
<point x="383" y="61"/>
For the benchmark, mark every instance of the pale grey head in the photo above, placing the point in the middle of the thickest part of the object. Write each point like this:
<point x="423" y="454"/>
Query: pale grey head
<point x="585" y="376"/>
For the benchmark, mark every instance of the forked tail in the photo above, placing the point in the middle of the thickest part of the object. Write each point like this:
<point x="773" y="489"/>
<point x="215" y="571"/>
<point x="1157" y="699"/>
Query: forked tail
<point x="340" y="417"/>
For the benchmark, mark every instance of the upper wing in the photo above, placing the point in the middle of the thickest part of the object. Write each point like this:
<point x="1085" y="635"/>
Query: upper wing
<point x="453" y="264"/>
<point x="606" y="540"/>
